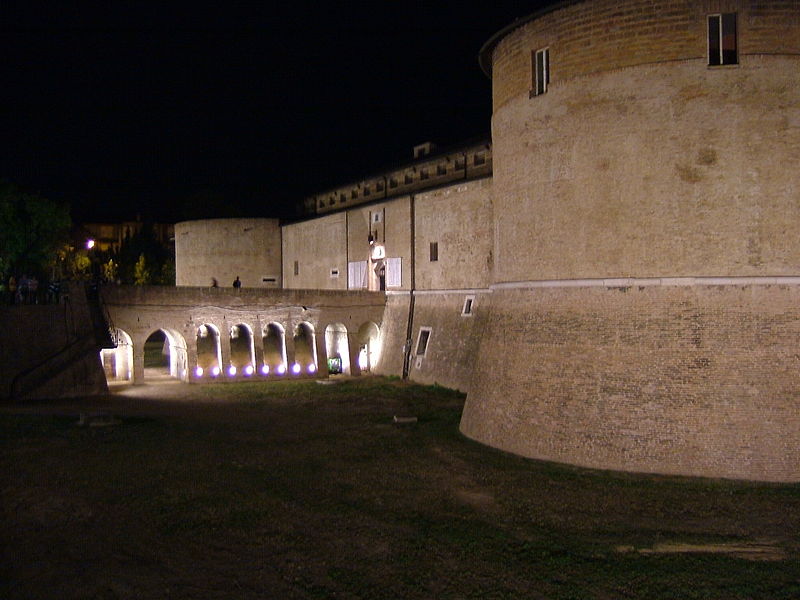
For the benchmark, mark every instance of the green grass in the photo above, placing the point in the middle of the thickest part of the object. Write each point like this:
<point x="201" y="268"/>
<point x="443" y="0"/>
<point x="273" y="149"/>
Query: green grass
<point x="295" y="489"/>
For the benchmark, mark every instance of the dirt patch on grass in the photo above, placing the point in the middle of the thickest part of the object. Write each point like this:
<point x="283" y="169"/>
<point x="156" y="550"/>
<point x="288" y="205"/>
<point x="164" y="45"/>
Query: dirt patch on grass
<point x="759" y="551"/>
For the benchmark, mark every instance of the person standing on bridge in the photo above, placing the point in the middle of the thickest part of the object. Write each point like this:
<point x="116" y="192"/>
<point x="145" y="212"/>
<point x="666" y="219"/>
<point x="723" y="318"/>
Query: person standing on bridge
<point x="237" y="285"/>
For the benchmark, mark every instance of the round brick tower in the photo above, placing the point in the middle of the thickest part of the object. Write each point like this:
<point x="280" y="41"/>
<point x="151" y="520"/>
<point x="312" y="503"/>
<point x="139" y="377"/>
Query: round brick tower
<point x="645" y="312"/>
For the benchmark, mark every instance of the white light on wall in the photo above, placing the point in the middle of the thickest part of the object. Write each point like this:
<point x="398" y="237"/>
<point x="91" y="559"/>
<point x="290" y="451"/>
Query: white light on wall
<point x="89" y="244"/>
<point x="265" y="369"/>
<point x="296" y="368"/>
<point x="312" y="367"/>
<point x="214" y="371"/>
<point x="248" y="370"/>
<point x="281" y="369"/>
<point x="231" y="370"/>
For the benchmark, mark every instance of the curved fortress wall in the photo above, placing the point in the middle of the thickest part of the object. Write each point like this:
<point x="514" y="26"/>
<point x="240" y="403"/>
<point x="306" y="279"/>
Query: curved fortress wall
<point x="223" y="249"/>
<point x="621" y="191"/>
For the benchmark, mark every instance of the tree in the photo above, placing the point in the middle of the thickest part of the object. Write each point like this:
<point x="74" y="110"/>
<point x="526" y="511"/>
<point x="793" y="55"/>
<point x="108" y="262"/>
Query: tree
<point x="143" y="245"/>
<point x="141" y="274"/>
<point x="32" y="229"/>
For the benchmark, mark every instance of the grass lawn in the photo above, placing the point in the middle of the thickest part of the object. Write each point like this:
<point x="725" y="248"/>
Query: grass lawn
<point x="300" y="490"/>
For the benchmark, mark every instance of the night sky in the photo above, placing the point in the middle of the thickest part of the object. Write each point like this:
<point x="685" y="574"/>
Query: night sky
<point x="178" y="110"/>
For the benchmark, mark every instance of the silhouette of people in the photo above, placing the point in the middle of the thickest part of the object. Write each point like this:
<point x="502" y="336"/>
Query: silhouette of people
<point x="214" y="282"/>
<point x="237" y="285"/>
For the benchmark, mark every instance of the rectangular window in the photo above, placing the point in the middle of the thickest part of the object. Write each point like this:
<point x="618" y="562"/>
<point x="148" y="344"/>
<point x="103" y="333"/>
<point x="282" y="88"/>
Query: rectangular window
<point x="434" y="251"/>
<point x="334" y="273"/>
<point x="441" y="169"/>
<point x="541" y="70"/>
<point x="392" y="183"/>
<point x="423" y="173"/>
<point x="422" y="341"/>
<point x="296" y="267"/>
<point x="466" y="310"/>
<point x="722" y="48"/>
<point x="394" y="272"/>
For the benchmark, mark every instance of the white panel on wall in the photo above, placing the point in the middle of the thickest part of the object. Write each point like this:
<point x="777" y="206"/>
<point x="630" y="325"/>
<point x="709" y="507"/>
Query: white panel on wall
<point x="357" y="275"/>
<point x="394" y="272"/>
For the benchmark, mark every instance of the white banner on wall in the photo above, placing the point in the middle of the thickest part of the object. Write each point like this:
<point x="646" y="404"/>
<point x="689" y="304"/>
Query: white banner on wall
<point x="394" y="272"/>
<point x="357" y="275"/>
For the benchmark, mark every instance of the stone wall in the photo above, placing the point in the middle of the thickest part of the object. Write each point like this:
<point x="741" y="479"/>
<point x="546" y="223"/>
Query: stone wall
<point x="458" y="219"/>
<point x="315" y="253"/>
<point x="221" y="249"/>
<point x="696" y="380"/>
<point x="451" y="355"/>
<point x="602" y="35"/>
<point x="662" y="170"/>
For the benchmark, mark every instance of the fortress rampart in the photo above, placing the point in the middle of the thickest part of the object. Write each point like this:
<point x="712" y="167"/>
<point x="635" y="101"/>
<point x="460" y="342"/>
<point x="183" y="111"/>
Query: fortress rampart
<point x="622" y="151"/>
<point x="613" y="280"/>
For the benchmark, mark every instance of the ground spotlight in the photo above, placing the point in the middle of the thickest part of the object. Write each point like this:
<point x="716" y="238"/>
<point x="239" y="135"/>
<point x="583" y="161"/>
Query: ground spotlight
<point x="198" y="371"/>
<point x="265" y="369"/>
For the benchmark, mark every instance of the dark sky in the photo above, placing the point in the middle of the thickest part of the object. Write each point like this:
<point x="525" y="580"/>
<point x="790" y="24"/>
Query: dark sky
<point x="177" y="110"/>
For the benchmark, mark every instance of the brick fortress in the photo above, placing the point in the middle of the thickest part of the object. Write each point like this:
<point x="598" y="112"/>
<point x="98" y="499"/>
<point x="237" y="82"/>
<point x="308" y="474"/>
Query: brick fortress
<point x="614" y="279"/>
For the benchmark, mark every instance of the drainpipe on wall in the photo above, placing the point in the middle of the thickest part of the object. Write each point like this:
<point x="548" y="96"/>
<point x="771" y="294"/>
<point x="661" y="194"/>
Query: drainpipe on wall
<point x="410" y="329"/>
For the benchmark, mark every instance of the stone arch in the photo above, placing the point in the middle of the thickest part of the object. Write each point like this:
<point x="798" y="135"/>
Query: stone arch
<point x="274" y="343"/>
<point x="173" y="350"/>
<point x="369" y="346"/>
<point x="209" y="351"/>
<point x="118" y="362"/>
<point x="243" y="356"/>
<point x="305" y="350"/>
<point x="337" y="348"/>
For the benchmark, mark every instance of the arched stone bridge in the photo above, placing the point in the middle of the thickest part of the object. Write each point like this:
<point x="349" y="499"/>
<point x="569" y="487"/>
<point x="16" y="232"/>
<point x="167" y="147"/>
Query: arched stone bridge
<point x="223" y="333"/>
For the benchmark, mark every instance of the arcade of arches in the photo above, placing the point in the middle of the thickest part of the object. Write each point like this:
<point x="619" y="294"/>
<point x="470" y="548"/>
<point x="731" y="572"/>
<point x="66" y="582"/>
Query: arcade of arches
<point x="243" y="351"/>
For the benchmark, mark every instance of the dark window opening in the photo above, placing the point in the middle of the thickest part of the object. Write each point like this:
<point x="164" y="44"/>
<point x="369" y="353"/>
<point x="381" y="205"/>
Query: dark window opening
<point x="441" y="169"/>
<point x="422" y="342"/>
<point x="722" y="49"/>
<point x="541" y="71"/>
<point x="434" y="251"/>
<point x="467" y="309"/>
<point x="296" y="268"/>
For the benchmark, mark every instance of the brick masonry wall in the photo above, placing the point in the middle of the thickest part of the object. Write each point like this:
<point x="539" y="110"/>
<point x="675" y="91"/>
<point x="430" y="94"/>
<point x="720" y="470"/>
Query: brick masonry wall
<point x="318" y="246"/>
<point x="601" y="35"/>
<point x="654" y="171"/>
<point x="451" y="356"/>
<point x="225" y="248"/>
<point x="459" y="219"/>
<point x="685" y="380"/>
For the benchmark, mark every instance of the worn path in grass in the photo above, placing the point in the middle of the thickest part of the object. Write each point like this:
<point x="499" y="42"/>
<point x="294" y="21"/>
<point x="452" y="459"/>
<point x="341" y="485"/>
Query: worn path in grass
<point x="300" y="490"/>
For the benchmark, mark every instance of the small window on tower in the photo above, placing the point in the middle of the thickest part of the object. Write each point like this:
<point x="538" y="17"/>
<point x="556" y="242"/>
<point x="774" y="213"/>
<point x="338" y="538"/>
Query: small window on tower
<point x="466" y="310"/>
<point x="540" y="60"/>
<point x="434" y="251"/>
<point x="722" y="49"/>
<point x="422" y="341"/>
<point x="296" y="267"/>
